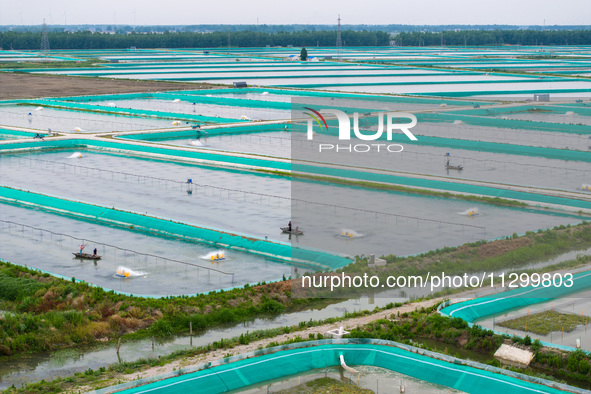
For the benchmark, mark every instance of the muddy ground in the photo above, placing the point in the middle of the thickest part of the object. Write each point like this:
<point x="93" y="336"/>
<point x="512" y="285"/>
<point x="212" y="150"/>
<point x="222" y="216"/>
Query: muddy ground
<point x="23" y="85"/>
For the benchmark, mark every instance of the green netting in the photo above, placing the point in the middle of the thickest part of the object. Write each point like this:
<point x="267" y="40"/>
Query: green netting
<point x="105" y="72"/>
<point x="289" y="92"/>
<point x="143" y="113"/>
<point x="413" y="83"/>
<point x="155" y="151"/>
<point x="479" y="308"/>
<point x="158" y="226"/>
<point x="527" y="109"/>
<point x="508" y="149"/>
<point x="19" y="134"/>
<point x="211" y="132"/>
<point x="448" y="371"/>
<point x="502" y="93"/>
<point x="170" y="153"/>
<point x="430" y="184"/>
<point x="506" y="123"/>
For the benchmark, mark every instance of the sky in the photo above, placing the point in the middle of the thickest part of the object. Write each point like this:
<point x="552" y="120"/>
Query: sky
<point x="371" y="12"/>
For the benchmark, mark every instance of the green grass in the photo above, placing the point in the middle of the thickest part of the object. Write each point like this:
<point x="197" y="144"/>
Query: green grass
<point x="49" y="64"/>
<point x="542" y="323"/>
<point x="325" y="385"/>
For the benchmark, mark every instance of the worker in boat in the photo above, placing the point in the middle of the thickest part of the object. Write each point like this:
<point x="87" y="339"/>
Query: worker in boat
<point x="94" y="252"/>
<point x="297" y="229"/>
<point x="82" y="246"/>
<point x="289" y="226"/>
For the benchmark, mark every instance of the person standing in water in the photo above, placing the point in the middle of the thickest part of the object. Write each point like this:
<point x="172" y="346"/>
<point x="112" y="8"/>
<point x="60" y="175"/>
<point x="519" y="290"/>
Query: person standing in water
<point x="289" y="226"/>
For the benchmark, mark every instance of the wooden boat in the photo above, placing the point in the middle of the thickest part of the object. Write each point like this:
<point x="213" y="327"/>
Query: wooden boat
<point x="450" y="167"/>
<point x="87" y="256"/>
<point x="293" y="231"/>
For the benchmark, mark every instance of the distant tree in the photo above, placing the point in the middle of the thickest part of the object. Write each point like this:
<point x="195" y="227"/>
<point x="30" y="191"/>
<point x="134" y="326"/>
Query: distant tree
<point x="304" y="54"/>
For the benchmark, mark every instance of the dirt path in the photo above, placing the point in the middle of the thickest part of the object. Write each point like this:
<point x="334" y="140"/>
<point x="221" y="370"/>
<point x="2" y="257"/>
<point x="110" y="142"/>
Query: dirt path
<point x="221" y="353"/>
<point x="24" y="85"/>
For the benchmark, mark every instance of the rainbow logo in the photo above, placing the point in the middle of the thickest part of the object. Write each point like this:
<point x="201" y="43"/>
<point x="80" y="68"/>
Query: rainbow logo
<point x="316" y="115"/>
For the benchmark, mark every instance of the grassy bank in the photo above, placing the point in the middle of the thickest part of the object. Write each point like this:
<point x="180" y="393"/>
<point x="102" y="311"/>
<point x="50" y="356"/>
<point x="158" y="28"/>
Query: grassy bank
<point x="548" y="363"/>
<point x="542" y="323"/>
<point x="44" y="313"/>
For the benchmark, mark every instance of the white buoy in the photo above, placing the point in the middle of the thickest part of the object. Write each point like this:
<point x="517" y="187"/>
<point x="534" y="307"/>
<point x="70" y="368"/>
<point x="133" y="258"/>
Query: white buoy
<point x="176" y="100"/>
<point x="75" y="155"/>
<point x="39" y="109"/>
<point x="458" y="122"/>
<point x="244" y="117"/>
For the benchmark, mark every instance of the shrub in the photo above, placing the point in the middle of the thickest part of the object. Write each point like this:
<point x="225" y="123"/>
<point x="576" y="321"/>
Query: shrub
<point x="161" y="329"/>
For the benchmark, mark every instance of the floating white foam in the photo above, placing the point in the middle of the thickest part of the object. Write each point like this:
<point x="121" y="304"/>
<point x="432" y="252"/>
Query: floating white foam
<point x="218" y="255"/>
<point x="124" y="272"/>
<point x="75" y="155"/>
<point x="348" y="233"/>
<point x="470" y="212"/>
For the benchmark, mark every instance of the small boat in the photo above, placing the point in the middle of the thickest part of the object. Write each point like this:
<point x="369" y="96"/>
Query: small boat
<point x="293" y="231"/>
<point x="449" y="166"/>
<point x="87" y="256"/>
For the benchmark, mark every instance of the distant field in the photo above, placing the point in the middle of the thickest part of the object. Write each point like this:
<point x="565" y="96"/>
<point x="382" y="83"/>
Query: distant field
<point x="20" y="86"/>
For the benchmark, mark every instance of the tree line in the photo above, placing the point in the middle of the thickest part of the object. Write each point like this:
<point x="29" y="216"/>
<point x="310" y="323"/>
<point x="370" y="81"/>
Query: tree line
<point x="90" y="40"/>
<point x="495" y="37"/>
<point x="269" y="28"/>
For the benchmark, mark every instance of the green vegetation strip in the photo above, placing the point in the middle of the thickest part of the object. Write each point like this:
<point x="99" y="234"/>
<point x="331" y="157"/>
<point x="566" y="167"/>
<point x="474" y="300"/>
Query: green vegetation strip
<point x="326" y="385"/>
<point x="544" y="322"/>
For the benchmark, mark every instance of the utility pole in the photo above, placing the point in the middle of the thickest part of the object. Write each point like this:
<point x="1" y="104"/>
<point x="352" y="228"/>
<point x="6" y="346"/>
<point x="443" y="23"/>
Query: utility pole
<point x="339" y="40"/>
<point x="44" y="40"/>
